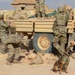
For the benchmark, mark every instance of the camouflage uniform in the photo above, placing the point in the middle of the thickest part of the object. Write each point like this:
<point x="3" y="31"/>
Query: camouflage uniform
<point x="60" y="30"/>
<point x="3" y="33"/>
<point x="40" y="8"/>
<point x="13" y="54"/>
<point x="13" y="42"/>
<point x="6" y="39"/>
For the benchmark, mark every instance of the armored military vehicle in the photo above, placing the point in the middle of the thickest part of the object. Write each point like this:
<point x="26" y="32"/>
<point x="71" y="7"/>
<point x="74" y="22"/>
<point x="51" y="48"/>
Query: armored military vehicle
<point x="39" y="29"/>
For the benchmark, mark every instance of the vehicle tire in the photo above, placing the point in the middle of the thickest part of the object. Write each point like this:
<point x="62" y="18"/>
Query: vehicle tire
<point x="42" y="42"/>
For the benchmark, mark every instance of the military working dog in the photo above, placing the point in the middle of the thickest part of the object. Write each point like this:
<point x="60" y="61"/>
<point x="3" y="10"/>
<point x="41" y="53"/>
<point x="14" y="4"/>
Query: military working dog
<point x="62" y="63"/>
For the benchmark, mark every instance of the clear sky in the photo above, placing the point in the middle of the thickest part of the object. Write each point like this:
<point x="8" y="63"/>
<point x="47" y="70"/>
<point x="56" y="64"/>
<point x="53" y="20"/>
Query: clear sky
<point x="5" y="4"/>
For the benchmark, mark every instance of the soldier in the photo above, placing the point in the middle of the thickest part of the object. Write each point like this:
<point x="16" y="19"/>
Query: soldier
<point x="6" y="39"/>
<point x="11" y="41"/>
<point x="60" y="30"/>
<point x="3" y="33"/>
<point x="40" y="8"/>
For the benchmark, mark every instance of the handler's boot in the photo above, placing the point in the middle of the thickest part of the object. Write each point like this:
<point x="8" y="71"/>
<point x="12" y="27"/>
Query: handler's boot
<point x="16" y="61"/>
<point x="31" y="63"/>
<point x="8" y="63"/>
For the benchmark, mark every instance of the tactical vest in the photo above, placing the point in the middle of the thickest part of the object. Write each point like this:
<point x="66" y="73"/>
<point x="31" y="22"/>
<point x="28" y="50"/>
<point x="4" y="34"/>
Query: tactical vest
<point x="61" y="19"/>
<point x="3" y="26"/>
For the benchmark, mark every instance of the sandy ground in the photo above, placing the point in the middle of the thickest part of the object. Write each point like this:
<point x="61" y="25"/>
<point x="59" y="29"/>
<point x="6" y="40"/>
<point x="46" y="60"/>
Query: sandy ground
<point x="25" y="69"/>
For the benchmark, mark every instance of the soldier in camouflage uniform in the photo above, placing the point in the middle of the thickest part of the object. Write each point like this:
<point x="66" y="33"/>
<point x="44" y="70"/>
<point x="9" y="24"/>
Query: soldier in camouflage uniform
<point x="40" y="8"/>
<point x="3" y="33"/>
<point x="60" y="30"/>
<point x="5" y="39"/>
<point x="13" y="42"/>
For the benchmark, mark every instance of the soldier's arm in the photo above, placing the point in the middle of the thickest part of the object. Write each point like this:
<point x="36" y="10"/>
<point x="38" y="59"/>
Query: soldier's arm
<point x="68" y="13"/>
<point x="54" y="25"/>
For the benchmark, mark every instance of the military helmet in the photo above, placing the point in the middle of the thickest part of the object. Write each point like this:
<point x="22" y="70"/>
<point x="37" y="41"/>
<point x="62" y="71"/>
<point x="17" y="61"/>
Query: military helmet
<point x="60" y="9"/>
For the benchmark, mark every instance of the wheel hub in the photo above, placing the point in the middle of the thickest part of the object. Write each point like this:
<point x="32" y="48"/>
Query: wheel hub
<point x="43" y="42"/>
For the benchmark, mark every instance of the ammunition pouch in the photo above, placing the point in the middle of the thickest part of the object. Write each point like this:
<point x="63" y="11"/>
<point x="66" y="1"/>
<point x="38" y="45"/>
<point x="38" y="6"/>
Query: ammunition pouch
<point x="62" y="29"/>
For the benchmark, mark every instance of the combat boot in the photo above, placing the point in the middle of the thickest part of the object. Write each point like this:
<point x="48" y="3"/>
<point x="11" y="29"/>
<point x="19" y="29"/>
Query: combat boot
<point x="8" y="63"/>
<point x="3" y="52"/>
<point x="16" y="61"/>
<point x="31" y="63"/>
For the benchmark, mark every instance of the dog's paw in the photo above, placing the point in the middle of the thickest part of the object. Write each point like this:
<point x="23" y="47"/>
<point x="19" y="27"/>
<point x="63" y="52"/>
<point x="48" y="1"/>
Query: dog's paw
<point x="59" y="72"/>
<point x="66" y="72"/>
